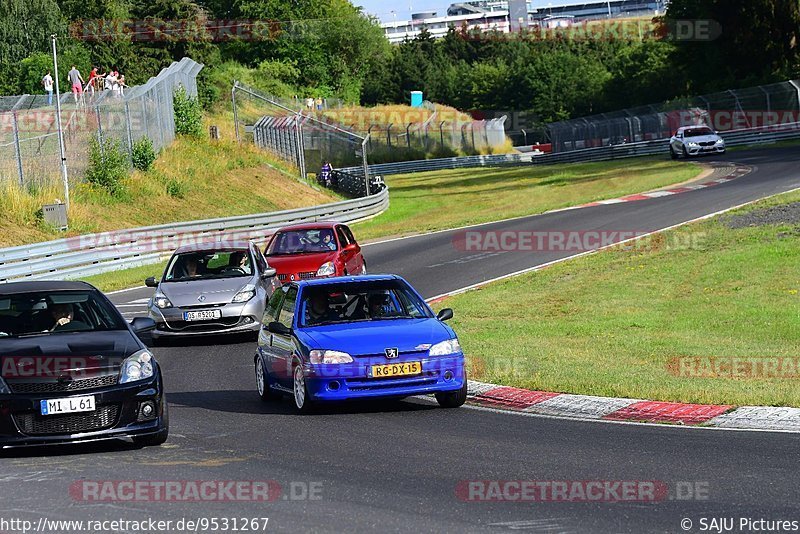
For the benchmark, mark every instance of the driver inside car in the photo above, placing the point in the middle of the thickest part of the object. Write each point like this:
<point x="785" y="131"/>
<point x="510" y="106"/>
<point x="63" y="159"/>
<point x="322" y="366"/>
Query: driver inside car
<point x="63" y="317"/>
<point x="319" y="309"/>
<point x="238" y="261"/>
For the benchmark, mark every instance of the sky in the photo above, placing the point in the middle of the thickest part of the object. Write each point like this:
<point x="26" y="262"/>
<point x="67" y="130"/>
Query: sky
<point x="383" y="8"/>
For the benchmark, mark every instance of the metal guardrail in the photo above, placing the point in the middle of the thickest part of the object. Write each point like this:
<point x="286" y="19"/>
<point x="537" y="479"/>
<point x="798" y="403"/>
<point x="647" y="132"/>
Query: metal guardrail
<point x="403" y="167"/>
<point x="104" y="252"/>
<point x="733" y="138"/>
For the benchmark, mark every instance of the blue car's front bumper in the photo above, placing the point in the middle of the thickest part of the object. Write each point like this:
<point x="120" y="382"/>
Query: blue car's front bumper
<point x="329" y="383"/>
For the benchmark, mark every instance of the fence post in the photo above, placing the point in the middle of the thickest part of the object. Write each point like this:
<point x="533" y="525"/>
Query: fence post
<point x="130" y="131"/>
<point x="408" y="135"/>
<point x="389" y="135"/>
<point x="441" y="133"/>
<point x="235" y="111"/>
<point x="18" y="151"/>
<point x="100" y="132"/>
<point x="364" y="144"/>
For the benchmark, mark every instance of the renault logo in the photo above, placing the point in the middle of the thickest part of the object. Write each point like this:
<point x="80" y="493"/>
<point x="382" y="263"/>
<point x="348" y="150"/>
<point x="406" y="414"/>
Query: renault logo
<point x="392" y="353"/>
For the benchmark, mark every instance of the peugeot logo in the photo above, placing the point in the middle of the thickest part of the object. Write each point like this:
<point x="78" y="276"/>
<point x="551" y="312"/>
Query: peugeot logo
<point x="392" y="353"/>
<point x="64" y="380"/>
<point x="201" y="298"/>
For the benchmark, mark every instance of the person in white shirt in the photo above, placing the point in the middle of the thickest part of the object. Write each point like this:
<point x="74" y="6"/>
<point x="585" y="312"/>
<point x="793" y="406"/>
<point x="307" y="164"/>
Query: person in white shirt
<point x="47" y="82"/>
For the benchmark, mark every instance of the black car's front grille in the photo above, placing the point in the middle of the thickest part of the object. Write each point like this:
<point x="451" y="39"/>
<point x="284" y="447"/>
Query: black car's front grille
<point x="42" y="425"/>
<point x="62" y="387"/>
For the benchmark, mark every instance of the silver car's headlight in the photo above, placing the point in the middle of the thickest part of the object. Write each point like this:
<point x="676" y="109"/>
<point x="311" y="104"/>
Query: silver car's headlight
<point x="692" y="144"/>
<point x="720" y="142"/>
<point x="245" y="294"/>
<point x="161" y="301"/>
<point x="327" y="269"/>
<point x="137" y="367"/>
<point x="4" y="389"/>
<point x="445" y="348"/>
<point x="329" y="356"/>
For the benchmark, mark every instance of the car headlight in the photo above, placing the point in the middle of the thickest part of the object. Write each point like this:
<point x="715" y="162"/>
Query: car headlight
<point x="137" y="367"/>
<point x="329" y="356"/>
<point x="245" y="294"/>
<point x="720" y="142"/>
<point x="445" y="348"/>
<point x="4" y="389"/>
<point x="161" y="301"/>
<point x="327" y="269"/>
<point x="693" y="144"/>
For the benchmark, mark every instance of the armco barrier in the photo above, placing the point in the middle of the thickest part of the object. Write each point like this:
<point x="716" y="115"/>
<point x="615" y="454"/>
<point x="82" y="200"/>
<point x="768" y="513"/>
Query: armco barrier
<point x="403" y="167"/>
<point x="733" y="138"/>
<point x="99" y="253"/>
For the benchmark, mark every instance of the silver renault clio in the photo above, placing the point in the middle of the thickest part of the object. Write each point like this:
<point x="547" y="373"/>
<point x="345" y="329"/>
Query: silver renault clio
<point x="209" y="289"/>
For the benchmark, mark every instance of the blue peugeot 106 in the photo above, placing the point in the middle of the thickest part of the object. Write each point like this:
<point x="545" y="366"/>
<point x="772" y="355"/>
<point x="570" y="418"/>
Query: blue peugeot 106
<point x="358" y="337"/>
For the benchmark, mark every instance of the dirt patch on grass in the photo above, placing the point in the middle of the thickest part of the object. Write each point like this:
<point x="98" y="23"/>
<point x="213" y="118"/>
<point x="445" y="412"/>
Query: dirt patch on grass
<point x="774" y="216"/>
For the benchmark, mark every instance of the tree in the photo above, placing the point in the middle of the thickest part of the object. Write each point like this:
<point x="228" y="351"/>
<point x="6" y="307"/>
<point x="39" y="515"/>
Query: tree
<point x="25" y="27"/>
<point x="759" y="43"/>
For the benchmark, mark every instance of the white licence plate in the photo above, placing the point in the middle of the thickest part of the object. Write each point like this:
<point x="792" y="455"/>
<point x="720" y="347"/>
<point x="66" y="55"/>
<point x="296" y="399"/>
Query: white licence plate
<point x="205" y="315"/>
<point x="71" y="405"/>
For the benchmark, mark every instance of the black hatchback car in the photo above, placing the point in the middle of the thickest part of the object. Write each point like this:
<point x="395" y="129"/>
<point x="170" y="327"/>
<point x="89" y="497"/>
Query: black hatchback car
<point x="73" y="370"/>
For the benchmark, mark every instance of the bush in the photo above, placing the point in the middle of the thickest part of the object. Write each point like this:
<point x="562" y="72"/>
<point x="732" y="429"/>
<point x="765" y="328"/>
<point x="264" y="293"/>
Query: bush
<point x="188" y="114"/>
<point x="143" y="154"/>
<point x="108" y="166"/>
<point x="176" y="188"/>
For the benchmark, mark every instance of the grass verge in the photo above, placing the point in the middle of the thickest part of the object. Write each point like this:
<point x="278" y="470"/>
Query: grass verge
<point x="439" y="200"/>
<point x="618" y="323"/>
<point x="191" y="179"/>
<point x="125" y="278"/>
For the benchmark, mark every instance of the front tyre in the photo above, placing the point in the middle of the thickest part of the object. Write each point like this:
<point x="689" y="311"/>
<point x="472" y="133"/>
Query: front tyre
<point x="302" y="400"/>
<point x="672" y="153"/>
<point x="262" y="383"/>
<point x="453" y="399"/>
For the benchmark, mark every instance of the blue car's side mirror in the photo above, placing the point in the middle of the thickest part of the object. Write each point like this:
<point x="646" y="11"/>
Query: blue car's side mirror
<point x="445" y="315"/>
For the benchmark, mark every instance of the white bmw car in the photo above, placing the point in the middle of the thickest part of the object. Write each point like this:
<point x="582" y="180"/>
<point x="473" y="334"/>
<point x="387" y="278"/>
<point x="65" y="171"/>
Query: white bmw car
<point x="695" y="141"/>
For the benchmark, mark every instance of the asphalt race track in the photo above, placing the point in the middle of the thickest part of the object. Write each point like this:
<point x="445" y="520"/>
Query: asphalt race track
<point x="396" y="466"/>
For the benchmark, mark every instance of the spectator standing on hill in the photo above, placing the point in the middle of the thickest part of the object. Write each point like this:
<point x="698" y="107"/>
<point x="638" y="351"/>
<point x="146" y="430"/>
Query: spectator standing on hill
<point x="110" y="81"/>
<point x="47" y="82"/>
<point x="75" y="78"/>
<point x="94" y="79"/>
<point x="121" y="85"/>
<point x="319" y="103"/>
<point x="310" y="103"/>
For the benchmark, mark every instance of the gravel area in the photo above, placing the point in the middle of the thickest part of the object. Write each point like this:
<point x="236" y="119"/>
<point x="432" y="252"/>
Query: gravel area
<point x="777" y="215"/>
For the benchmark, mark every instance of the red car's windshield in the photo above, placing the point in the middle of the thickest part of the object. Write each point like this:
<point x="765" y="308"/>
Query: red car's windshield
<point x="302" y="242"/>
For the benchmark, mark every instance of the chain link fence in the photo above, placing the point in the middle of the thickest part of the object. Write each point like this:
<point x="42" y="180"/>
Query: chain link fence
<point x="303" y="141"/>
<point x="756" y="107"/>
<point x="29" y="143"/>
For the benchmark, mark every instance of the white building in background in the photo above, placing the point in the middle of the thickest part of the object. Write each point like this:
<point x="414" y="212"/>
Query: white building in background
<point x="493" y="15"/>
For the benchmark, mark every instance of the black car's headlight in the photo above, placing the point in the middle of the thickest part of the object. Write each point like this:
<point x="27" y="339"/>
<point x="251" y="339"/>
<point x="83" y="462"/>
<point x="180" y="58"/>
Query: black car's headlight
<point x="137" y="367"/>
<point x="445" y="348"/>
<point x="4" y="389"/>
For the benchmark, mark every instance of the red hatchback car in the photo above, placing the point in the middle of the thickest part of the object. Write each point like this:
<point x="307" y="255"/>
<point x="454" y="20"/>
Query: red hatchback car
<point x="314" y="250"/>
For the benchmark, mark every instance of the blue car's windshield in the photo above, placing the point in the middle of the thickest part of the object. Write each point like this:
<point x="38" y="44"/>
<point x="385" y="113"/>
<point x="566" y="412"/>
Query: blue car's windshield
<point x="360" y="301"/>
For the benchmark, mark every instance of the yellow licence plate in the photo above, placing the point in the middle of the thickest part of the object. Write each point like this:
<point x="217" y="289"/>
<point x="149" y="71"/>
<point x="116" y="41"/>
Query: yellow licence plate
<point x="396" y="369"/>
